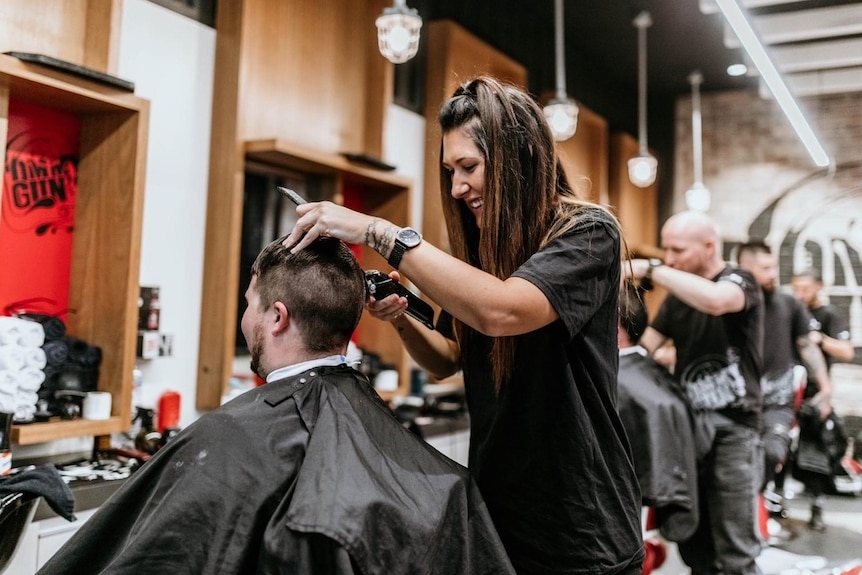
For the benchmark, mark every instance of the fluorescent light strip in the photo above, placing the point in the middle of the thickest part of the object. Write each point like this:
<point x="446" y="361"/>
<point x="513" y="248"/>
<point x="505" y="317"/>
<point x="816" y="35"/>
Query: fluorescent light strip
<point x="737" y="20"/>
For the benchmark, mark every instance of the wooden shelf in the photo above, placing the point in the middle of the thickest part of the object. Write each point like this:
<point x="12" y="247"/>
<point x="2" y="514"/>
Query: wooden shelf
<point x="60" y="429"/>
<point x="285" y="154"/>
<point x="384" y="194"/>
<point x="103" y="283"/>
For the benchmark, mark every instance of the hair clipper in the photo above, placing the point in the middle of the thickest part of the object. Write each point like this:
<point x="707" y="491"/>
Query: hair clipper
<point x="381" y="285"/>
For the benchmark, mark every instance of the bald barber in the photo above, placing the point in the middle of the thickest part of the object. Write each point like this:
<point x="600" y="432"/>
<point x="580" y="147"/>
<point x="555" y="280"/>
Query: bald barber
<point x="713" y="313"/>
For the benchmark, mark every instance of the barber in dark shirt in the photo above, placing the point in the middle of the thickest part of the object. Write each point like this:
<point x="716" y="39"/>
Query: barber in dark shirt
<point x="714" y="315"/>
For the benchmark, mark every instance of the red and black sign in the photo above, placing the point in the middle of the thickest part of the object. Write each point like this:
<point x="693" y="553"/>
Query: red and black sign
<point x="38" y="209"/>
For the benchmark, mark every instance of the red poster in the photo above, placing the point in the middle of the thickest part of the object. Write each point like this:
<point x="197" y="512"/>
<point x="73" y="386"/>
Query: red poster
<point x="38" y="209"/>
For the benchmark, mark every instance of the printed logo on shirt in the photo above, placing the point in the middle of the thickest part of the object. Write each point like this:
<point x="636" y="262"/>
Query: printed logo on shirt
<point x="735" y="278"/>
<point x="843" y="335"/>
<point x="715" y="382"/>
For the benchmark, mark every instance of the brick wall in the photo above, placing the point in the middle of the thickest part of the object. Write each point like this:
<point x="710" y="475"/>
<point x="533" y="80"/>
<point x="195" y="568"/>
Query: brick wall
<point x="764" y="185"/>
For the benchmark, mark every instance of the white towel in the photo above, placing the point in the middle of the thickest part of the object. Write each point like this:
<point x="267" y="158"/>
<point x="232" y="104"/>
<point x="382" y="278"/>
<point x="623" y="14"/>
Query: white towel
<point x="26" y="398"/>
<point x="11" y="357"/>
<point x="10" y="330"/>
<point x="8" y="383"/>
<point x="35" y="357"/>
<point x="7" y="403"/>
<point x="24" y="413"/>
<point x="30" y="379"/>
<point x="32" y="333"/>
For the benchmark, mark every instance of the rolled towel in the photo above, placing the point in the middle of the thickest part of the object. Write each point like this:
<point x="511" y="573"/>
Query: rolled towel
<point x="32" y="334"/>
<point x="56" y="352"/>
<point x="24" y="413"/>
<point x="10" y="330"/>
<point x="7" y="403"/>
<point x="8" y="382"/>
<point x="25" y="398"/>
<point x="35" y="357"/>
<point x="53" y="326"/>
<point x="30" y="379"/>
<point x="11" y="357"/>
<point x="84" y="354"/>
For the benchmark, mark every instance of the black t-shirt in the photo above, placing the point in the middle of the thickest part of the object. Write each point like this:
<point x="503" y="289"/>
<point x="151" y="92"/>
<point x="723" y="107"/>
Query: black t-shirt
<point x="550" y="453"/>
<point x="829" y="322"/>
<point x="786" y="320"/>
<point x="719" y="358"/>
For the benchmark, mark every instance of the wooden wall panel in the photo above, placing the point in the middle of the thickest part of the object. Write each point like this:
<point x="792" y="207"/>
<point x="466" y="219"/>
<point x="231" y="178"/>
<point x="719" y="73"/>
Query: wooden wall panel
<point x="224" y="213"/>
<point x="102" y="35"/>
<point x="454" y="55"/>
<point x="84" y="32"/>
<point x="585" y="156"/>
<point x="304" y="72"/>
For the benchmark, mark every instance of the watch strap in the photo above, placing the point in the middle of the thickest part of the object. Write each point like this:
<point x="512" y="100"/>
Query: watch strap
<point x="396" y="254"/>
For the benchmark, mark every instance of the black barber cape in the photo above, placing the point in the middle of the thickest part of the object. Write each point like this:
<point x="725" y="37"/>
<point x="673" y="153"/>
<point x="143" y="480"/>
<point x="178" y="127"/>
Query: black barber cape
<point x="310" y="474"/>
<point x="660" y="427"/>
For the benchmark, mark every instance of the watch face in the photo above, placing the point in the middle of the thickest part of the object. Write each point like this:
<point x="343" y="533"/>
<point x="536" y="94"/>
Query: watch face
<point x="409" y="237"/>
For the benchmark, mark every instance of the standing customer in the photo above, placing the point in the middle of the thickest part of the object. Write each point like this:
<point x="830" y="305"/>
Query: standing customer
<point x="714" y="315"/>
<point x="789" y="345"/>
<point x="530" y="297"/>
<point x="831" y="332"/>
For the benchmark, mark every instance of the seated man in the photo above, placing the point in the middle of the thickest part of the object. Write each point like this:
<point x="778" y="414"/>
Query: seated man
<point x="310" y="473"/>
<point x="660" y="427"/>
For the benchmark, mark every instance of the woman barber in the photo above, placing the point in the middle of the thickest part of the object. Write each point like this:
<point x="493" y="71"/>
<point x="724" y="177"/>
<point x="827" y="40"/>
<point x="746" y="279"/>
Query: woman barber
<point x="529" y="298"/>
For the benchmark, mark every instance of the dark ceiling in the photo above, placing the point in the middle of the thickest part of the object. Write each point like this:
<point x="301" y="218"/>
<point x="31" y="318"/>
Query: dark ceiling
<point x="601" y="48"/>
<point x="601" y="45"/>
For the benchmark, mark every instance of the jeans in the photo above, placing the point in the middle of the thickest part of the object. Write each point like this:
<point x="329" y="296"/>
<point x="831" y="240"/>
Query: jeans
<point x="728" y="540"/>
<point x="777" y="421"/>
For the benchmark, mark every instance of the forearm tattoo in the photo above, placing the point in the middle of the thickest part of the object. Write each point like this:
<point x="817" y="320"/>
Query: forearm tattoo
<point x="380" y="238"/>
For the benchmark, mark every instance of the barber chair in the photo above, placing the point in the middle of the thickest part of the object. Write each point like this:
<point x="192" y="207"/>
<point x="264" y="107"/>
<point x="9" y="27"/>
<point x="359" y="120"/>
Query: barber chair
<point x="16" y="513"/>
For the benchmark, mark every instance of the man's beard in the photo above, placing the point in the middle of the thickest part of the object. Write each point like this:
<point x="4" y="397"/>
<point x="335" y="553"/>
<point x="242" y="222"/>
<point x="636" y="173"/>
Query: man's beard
<point x="256" y="349"/>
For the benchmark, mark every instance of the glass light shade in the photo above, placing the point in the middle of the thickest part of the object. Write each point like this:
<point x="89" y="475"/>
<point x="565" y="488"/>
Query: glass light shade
<point x="398" y="33"/>
<point x="697" y="197"/>
<point x="562" y="115"/>
<point x="642" y="169"/>
<point x="737" y="70"/>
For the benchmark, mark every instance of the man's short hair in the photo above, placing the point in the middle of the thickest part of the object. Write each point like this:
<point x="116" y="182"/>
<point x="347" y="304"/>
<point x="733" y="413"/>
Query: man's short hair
<point x="322" y="287"/>
<point x="633" y="314"/>
<point x="810" y="273"/>
<point x="752" y="247"/>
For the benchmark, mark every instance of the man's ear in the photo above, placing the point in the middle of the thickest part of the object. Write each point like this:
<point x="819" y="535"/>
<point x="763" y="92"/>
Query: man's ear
<point x="282" y="318"/>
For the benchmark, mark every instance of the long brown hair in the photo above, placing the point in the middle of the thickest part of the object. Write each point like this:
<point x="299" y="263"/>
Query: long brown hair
<point x="528" y="200"/>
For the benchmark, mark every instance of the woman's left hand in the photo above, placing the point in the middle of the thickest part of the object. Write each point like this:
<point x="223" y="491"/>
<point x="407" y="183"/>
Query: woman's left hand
<point x="325" y="219"/>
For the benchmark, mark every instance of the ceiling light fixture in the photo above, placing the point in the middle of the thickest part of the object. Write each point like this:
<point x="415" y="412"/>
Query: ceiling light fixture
<point x="642" y="168"/>
<point x="562" y="111"/>
<point x="745" y="33"/>
<point x="737" y="70"/>
<point x="697" y="196"/>
<point x="398" y="32"/>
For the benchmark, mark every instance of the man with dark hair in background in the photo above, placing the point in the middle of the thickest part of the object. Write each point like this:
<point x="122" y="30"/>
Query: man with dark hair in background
<point x="787" y="346"/>
<point x="310" y="473"/>
<point x="830" y="331"/>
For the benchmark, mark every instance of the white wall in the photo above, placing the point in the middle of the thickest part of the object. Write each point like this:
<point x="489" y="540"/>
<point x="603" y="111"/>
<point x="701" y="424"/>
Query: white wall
<point x="404" y="148"/>
<point x="171" y="59"/>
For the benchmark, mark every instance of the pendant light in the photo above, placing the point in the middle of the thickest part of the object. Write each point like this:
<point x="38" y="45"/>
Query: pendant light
<point x="642" y="168"/>
<point x="697" y="196"/>
<point x="398" y="32"/>
<point x="562" y="111"/>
